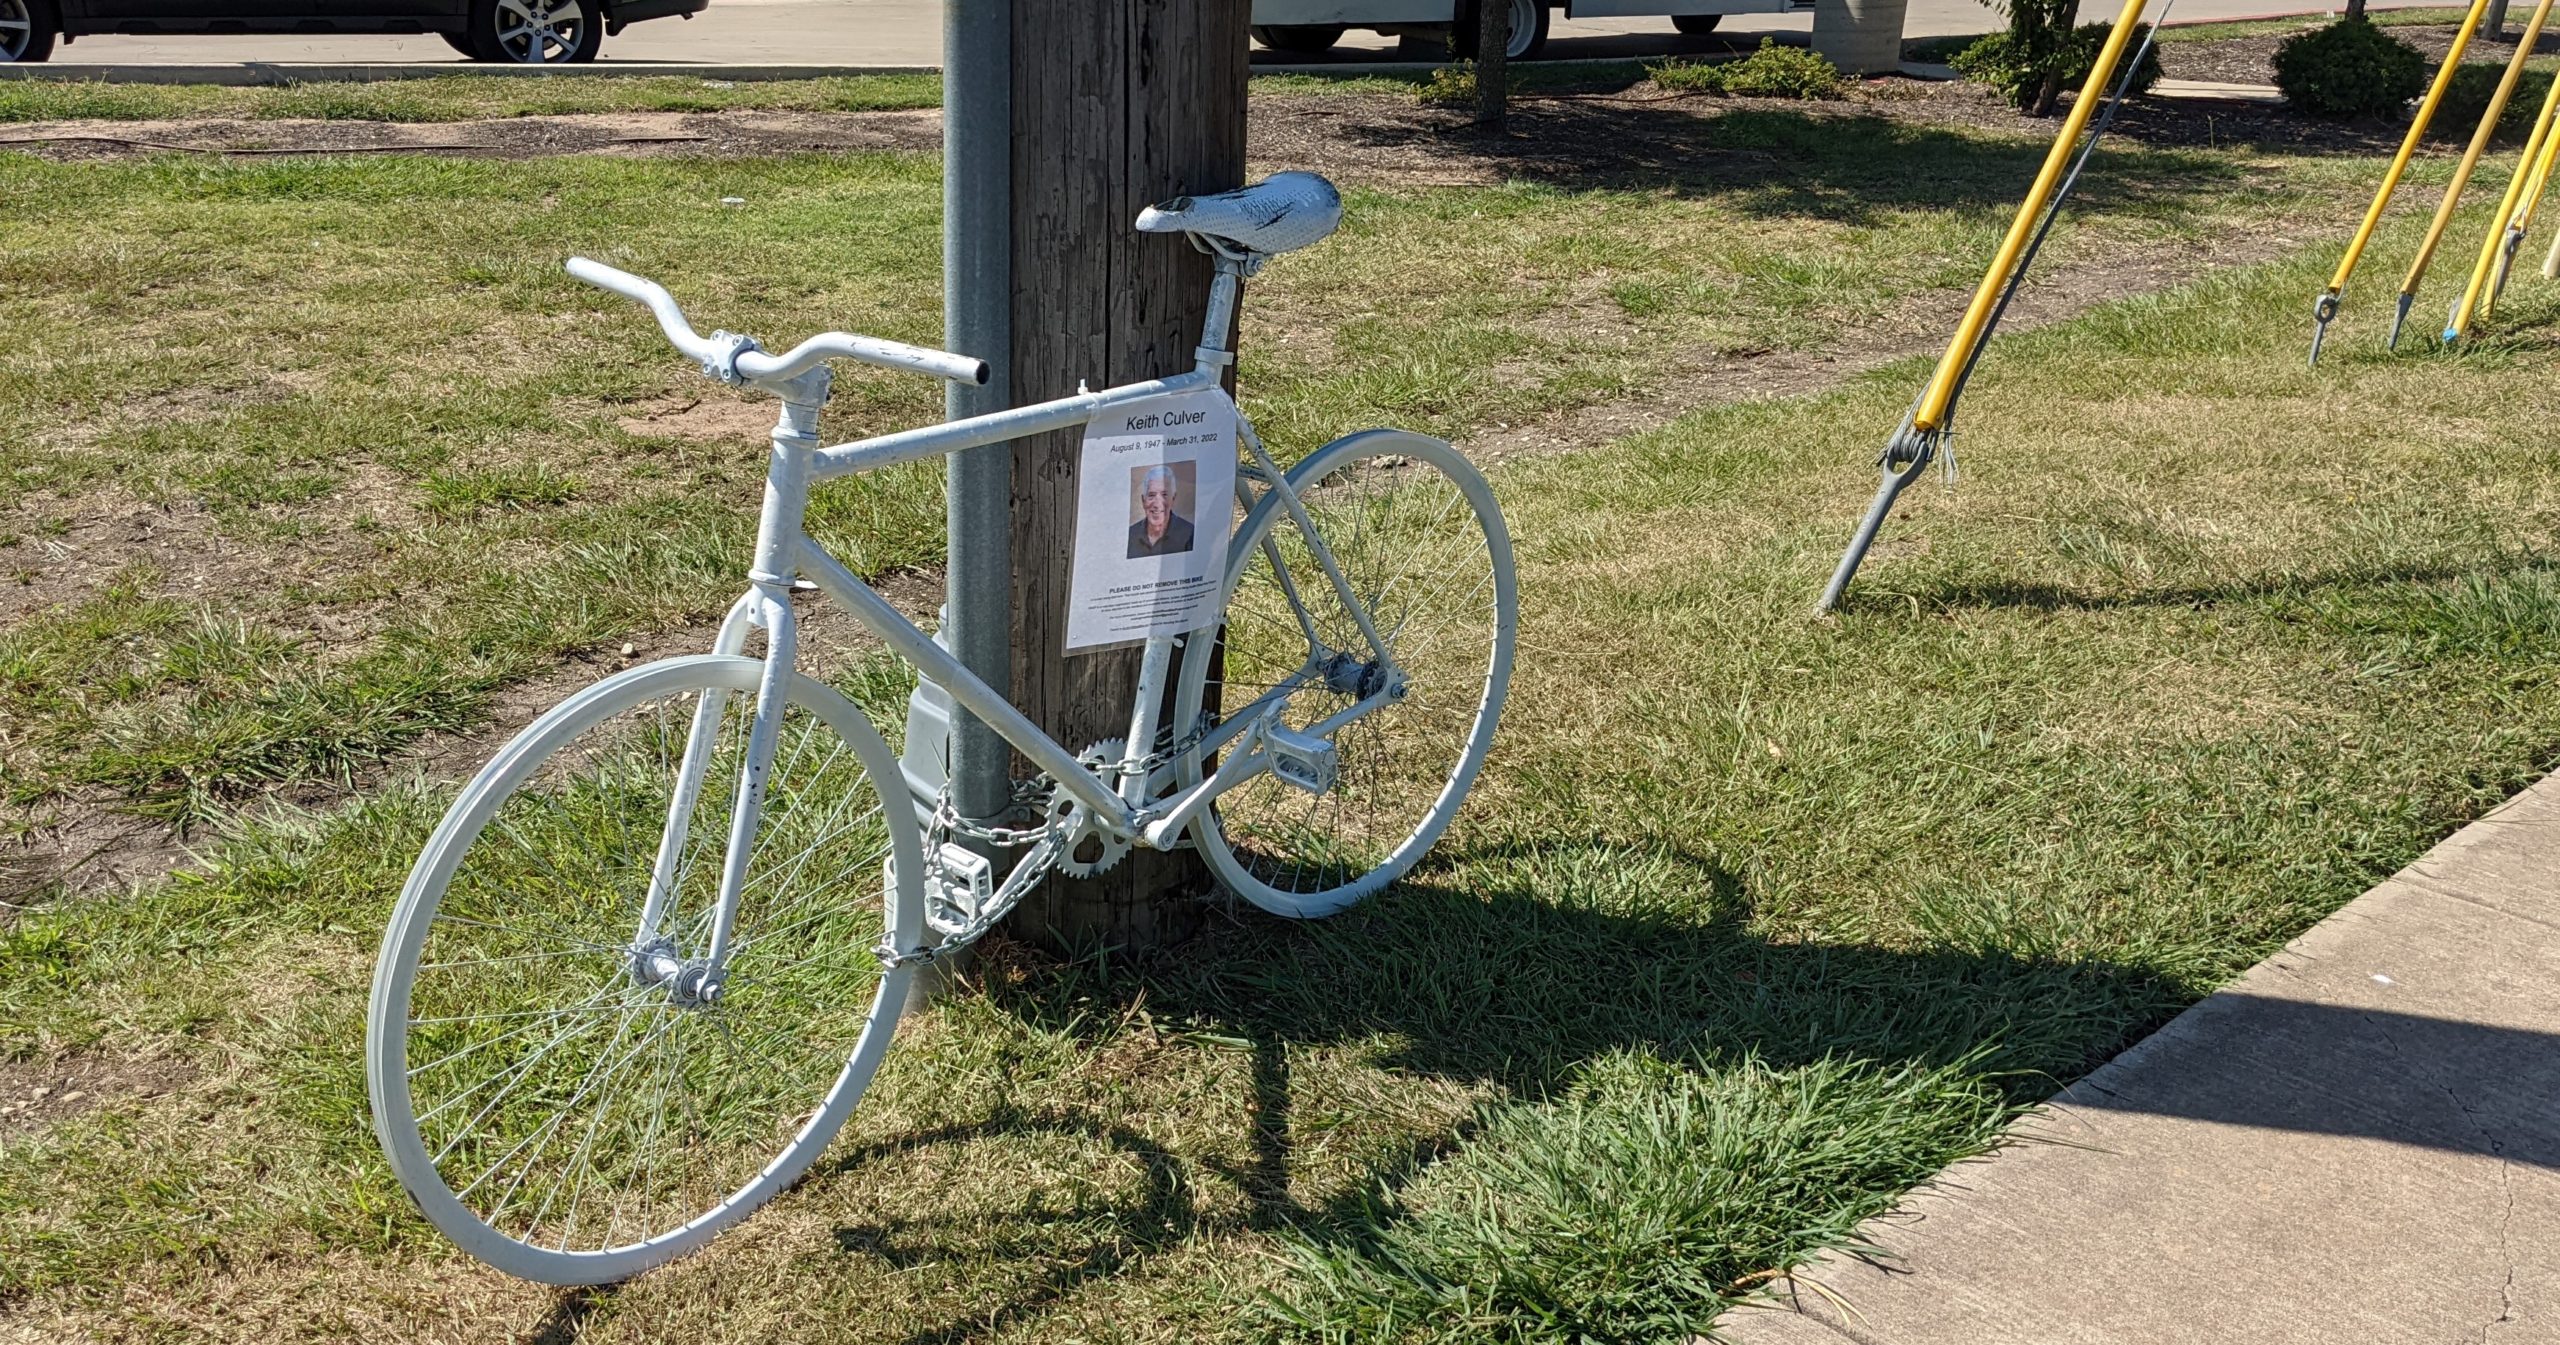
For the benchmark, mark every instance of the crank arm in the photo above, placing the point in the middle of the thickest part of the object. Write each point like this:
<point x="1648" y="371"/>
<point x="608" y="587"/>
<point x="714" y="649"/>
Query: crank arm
<point x="1241" y="765"/>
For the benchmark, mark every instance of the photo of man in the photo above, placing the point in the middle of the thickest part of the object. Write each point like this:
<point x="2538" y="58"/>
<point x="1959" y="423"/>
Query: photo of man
<point x="1158" y="529"/>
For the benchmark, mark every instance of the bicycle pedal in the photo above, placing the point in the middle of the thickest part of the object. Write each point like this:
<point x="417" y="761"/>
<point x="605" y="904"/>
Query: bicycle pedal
<point x="1301" y="761"/>
<point x="957" y="888"/>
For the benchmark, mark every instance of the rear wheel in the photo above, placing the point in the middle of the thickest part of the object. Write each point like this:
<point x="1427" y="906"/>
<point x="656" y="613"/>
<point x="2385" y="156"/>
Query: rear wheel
<point x="1696" y="25"/>
<point x="461" y="44"/>
<point x="536" y="32"/>
<point x="1298" y="39"/>
<point x="1422" y="545"/>
<point x="27" y="30"/>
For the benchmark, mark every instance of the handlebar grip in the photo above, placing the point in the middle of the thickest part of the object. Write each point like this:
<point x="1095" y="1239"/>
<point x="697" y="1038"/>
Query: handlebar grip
<point x="939" y="363"/>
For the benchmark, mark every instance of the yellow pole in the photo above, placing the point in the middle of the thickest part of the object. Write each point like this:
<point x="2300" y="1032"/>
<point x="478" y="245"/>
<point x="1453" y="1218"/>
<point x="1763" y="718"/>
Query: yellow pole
<point x="2551" y="262"/>
<point x="2326" y="306"/>
<point x="2460" y="322"/>
<point x="2522" y="224"/>
<point x="1932" y="412"/>
<point x="2470" y="160"/>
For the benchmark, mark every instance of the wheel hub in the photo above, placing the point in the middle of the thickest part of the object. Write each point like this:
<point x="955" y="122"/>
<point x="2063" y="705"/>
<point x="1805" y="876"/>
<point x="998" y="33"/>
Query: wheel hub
<point x="1347" y="675"/>
<point x="688" y="981"/>
<point x="542" y="24"/>
<point x="17" y="29"/>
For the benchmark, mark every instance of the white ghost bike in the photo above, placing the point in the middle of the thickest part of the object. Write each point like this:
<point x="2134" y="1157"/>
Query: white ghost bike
<point x="653" y="955"/>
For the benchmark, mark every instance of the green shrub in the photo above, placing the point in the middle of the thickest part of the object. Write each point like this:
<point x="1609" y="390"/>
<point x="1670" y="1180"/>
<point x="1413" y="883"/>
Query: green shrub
<point x="1687" y="77"/>
<point x="2351" y="69"/>
<point x="1999" y="60"/>
<point x="1934" y="50"/>
<point x="1452" y="85"/>
<point x="2468" y="96"/>
<point x="1771" y="72"/>
<point x="1781" y="72"/>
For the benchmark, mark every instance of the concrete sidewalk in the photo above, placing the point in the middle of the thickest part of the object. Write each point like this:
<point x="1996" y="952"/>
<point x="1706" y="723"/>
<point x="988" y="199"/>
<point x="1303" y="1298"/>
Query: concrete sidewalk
<point x="2357" y="1142"/>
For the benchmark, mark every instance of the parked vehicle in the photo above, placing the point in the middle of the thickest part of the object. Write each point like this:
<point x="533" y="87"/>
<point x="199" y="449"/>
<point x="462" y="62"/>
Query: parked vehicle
<point x="530" y="32"/>
<point x="1433" y="28"/>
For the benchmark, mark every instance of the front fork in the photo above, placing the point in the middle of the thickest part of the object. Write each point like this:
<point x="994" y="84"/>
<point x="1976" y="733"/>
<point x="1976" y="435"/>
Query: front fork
<point x="658" y="953"/>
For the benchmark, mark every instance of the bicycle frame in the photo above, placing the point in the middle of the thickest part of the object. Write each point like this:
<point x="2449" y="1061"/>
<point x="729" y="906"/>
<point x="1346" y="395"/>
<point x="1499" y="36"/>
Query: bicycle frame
<point x="784" y="551"/>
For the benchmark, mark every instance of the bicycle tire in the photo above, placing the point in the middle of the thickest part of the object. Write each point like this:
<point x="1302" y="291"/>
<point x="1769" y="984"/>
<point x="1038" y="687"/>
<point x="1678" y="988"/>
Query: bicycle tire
<point x="800" y="1006"/>
<point x="1352" y="488"/>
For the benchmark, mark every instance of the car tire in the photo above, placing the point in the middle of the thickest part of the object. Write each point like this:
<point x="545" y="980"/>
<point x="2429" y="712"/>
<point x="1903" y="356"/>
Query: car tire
<point x="1299" y="39"/>
<point x="577" y="31"/>
<point x="461" y="44"/>
<point x="1696" y="25"/>
<point x="27" y="30"/>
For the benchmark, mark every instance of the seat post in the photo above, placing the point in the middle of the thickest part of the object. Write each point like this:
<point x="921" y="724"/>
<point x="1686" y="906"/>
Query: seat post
<point x="1216" y="350"/>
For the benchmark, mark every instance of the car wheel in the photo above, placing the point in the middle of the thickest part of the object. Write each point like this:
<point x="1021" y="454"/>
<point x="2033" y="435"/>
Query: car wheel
<point x="27" y="29"/>
<point x="1529" y="20"/>
<point x="536" y="32"/>
<point x="1303" y="39"/>
<point x="461" y="44"/>
<point x="1696" y="25"/>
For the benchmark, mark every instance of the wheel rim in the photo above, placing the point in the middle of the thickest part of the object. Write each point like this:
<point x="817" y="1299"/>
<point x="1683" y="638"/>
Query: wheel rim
<point x="17" y="29"/>
<point x="1417" y="547"/>
<point x="1524" y="25"/>
<point x="559" y="1098"/>
<point x="541" y="32"/>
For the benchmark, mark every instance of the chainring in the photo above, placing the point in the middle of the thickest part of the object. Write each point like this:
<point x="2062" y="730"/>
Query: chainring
<point x="1090" y="849"/>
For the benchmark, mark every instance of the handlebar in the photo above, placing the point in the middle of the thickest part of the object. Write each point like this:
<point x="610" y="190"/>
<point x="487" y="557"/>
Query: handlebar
<point x="734" y="358"/>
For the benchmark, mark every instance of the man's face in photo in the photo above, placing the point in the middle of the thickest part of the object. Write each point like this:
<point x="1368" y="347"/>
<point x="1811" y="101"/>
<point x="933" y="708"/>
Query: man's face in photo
<point x="1157" y="500"/>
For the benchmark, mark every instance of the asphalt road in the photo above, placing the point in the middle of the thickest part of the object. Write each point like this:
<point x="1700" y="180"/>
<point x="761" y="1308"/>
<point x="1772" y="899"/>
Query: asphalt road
<point x="909" y="32"/>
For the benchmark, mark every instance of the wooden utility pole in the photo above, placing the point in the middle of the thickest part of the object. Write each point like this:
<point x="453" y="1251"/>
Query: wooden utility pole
<point x="1117" y="104"/>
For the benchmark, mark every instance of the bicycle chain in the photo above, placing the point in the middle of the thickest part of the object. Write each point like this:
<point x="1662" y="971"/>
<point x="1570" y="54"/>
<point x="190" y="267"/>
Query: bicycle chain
<point x="1048" y="841"/>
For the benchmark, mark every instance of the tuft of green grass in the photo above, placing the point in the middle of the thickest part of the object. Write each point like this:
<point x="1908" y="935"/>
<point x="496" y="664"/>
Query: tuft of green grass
<point x="1638" y="1205"/>
<point x="525" y="486"/>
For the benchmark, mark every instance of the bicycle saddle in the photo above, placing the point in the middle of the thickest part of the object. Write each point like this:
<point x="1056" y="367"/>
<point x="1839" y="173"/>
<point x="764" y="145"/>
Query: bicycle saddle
<point x="1279" y="213"/>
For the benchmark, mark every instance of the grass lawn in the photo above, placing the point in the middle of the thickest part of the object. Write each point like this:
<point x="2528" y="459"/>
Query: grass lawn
<point x="463" y="97"/>
<point x="1756" y="919"/>
<point x="442" y="98"/>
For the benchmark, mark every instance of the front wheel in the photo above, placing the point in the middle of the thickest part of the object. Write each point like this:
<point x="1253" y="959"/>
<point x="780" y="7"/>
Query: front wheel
<point x="535" y="32"/>
<point x="27" y="30"/>
<point x="1421" y="544"/>
<point x="558" y="1077"/>
<point x="1696" y="25"/>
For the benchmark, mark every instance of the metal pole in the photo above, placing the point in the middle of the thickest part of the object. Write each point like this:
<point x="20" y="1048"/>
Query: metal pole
<point x="977" y="314"/>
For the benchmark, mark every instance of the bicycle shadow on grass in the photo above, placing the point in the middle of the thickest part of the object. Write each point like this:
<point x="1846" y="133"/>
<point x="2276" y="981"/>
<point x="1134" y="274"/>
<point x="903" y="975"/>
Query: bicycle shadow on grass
<point x="1598" y="948"/>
